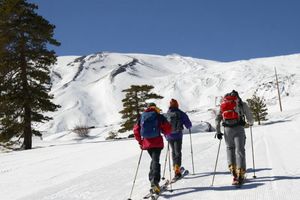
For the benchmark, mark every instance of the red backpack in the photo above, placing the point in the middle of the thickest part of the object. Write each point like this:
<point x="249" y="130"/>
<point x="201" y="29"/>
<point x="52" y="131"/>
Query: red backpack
<point x="229" y="107"/>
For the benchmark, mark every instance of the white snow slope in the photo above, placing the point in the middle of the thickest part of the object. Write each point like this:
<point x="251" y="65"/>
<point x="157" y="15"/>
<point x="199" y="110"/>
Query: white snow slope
<point x="66" y="167"/>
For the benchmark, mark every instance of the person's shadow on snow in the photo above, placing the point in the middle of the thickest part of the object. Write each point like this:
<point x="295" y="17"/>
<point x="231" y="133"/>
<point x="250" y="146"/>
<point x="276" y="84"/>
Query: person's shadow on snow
<point x="250" y="183"/>
<point x="206" y="174"/>
<point x="188" y="190"/>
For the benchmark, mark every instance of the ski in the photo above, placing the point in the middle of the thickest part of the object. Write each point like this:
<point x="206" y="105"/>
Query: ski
<point x="239" y="183"/>
<point x="183" y="171"/>
<point x="163" y="188"/>
<point x="155" y="196"/>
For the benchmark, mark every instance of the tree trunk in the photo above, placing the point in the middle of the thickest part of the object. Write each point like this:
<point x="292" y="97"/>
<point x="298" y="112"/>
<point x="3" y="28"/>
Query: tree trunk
<point x="27" y="128"/>
<point x="26" y="106"/>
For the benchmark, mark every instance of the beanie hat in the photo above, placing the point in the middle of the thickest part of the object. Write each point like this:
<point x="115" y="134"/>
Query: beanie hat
<point x="174" y="103"/>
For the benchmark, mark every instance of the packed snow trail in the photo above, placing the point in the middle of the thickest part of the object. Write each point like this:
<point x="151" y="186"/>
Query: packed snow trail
<point x="105" y="170"/>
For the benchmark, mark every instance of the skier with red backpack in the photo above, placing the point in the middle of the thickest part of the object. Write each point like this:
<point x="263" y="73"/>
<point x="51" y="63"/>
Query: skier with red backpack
<point x="148" y="134"/>
<point x="232" y="114"/>
<point x="177" y="119"/>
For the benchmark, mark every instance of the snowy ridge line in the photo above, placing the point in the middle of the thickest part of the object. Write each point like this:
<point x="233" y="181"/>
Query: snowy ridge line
<point x="192" y="81"/>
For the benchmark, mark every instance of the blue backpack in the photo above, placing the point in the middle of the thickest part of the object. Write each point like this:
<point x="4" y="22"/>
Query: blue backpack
<point x="149" y="125"/>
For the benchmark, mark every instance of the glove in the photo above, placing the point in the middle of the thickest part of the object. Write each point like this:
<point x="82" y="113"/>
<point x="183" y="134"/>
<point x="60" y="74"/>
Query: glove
<point x="141" y="146"/>
<point x="220" y="136"/>
<point x="251" y="122"/>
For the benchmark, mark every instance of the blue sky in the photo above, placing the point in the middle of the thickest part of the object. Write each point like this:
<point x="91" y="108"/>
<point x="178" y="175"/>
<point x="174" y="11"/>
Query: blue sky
<point x="223" y="30"/>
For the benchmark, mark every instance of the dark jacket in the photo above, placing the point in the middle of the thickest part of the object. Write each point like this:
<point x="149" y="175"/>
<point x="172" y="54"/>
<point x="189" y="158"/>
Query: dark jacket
<point x="184" y="120"/>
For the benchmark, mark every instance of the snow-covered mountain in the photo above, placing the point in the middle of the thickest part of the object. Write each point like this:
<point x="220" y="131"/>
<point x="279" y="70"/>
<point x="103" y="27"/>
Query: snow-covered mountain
<point x="89" y="87"/>
<point x="66" y="167"/>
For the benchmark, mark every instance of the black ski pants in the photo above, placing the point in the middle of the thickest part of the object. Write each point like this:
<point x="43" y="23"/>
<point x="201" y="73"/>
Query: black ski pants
<point x="176" y="146"/>
<point x="154" y="174"/>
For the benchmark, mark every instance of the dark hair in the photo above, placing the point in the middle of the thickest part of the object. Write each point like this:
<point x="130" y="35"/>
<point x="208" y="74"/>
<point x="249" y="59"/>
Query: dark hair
<point x="151" y="104"/>
<point x="234" y="93"/>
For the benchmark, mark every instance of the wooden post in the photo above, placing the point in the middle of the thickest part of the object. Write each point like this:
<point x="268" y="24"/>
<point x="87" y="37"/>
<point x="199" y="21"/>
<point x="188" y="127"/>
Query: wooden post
<point x="278" y="89"/>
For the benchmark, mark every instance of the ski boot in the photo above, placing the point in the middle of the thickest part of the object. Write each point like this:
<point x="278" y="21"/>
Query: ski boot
<point x="241" y="175"/>
<point x="232" y="169"/>
<point x="177" y="171"/>
<point x="155" y="189"/>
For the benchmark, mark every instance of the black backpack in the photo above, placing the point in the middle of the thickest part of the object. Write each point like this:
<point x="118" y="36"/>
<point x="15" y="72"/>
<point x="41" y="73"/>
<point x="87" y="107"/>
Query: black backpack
<point x="174" y="118"/>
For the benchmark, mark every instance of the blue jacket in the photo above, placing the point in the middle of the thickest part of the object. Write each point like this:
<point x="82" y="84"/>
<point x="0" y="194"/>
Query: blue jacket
<point x="184" y="120"/>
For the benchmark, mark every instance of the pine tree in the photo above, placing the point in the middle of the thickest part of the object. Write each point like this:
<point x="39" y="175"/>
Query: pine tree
<point x="258" y="108"/>
<point x="24" y="70"/>
<point x="134" y="103"/>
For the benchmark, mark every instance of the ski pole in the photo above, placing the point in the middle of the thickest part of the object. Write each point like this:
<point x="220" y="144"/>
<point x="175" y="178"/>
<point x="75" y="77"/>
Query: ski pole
<point x="163" y="178"/>
<point x="171" y="190"/>
<point x="252" y="152"/>
<point x="212" y="183"/>
<point x="192" y="150"/>
<point x="136" y="174"/>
